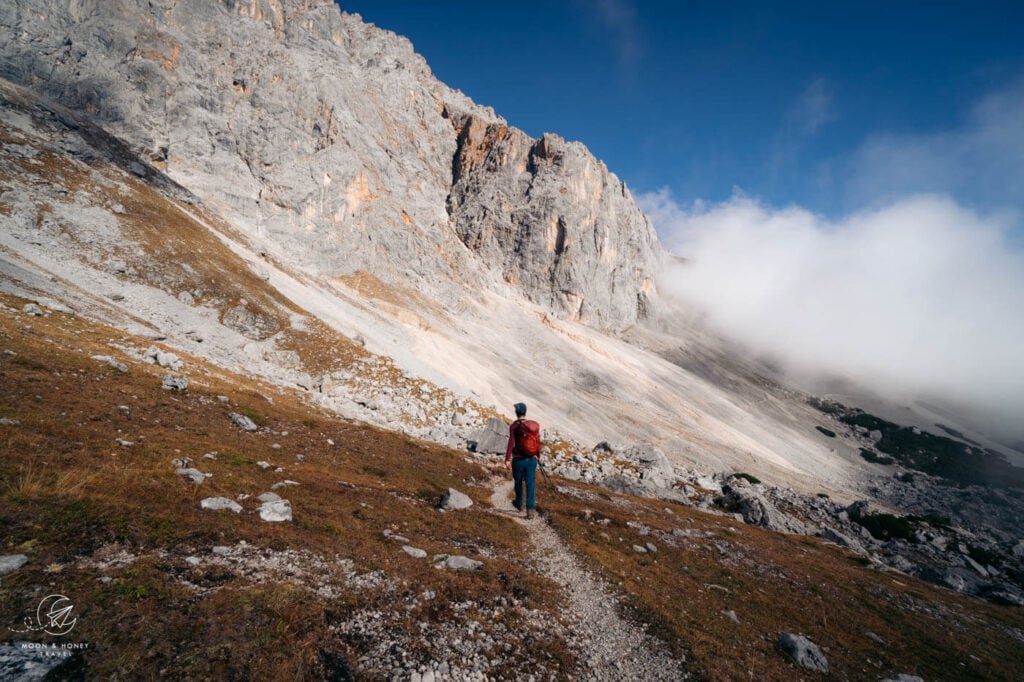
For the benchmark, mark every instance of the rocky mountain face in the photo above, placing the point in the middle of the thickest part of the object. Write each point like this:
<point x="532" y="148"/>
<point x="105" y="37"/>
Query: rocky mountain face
<point x="296" y="120"/>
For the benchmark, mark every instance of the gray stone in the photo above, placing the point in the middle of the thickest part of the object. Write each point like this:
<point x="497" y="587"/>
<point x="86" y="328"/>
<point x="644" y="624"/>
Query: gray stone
<point x="453" y="499"/>
<point x="841" y="539"/>
<point x="32" y="309"/>
<point x="414" y="552"/>
<point x="276" y="511"/>
<point x="173" y="383"/>
<point x="33" y="661"/>
<point x="902" y="677"/>
<point x="113" y="362"/>
<point x="193" y="560"/>
<point x="640" y="549"/>
<point x="731" y="615"/>
<point x="802" y="650"/>
<point x="4" y="421"/>
<point x="12" y="562"/>
<point x="756" y="510"/>
<point x="243" y="422"/>
<point x="462" y="563"/>
<point x="219" y="503"/>
<point x="187" y="298"/>
<point x="221" y="550"/>
<point x="492" y="439"/>
<point x="283" y="484"/>
<point x="191" y="474"/>
<point x="269" y="497"/>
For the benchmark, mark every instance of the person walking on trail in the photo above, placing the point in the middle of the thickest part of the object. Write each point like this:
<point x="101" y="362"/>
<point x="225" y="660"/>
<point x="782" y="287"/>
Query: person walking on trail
<point x="521" y="456"/>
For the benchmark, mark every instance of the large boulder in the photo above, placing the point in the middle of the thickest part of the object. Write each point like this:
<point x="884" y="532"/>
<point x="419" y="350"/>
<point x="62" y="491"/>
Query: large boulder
<point x="492" y="439"/>
<point x="802" y="650"/>
<point x="744" y="499"/>
<point x="453" y="499"/>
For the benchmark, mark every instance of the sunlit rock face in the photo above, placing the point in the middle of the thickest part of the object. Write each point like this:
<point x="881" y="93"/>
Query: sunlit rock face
<point x="331" y="140"/>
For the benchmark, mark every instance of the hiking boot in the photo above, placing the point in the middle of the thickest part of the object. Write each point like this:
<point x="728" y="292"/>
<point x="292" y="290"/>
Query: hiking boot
<point x="529" y="513"/>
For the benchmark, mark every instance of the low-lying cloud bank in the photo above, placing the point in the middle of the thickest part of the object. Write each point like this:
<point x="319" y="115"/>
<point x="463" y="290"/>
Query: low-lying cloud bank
<point x="921" y="298"/>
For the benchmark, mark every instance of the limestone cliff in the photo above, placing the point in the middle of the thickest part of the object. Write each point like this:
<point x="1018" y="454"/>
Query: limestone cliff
<point x="331" y="139"/>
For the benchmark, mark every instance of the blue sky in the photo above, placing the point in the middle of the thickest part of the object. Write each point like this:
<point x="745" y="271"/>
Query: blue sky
<point x="845" y="179"/>
<point x="831" y="106"/>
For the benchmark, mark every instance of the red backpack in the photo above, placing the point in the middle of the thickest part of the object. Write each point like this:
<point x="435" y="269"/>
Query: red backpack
<point x="528" y="438"/>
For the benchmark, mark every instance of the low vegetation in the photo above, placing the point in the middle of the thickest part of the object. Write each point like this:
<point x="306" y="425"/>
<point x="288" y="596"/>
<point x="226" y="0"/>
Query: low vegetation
<point x="83" y="505"/>
<point x="948" y="458"/>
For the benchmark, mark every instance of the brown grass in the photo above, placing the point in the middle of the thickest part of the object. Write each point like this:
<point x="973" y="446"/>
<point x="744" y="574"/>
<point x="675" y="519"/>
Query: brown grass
<point x="69" y="491"/>
<point x="776" y="583"/>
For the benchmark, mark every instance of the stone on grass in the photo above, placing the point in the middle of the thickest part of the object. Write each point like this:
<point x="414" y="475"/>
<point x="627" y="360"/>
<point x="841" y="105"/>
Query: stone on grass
<point x="4" y="421"/>
<point x="453" y="499"/>
<point x="221" y="550"/>
<point x="276" y="511"/>
<point x="414" y="552"/>
<point x="12" y="562"/>
<point x="219" y="503"/>
<point x="802" y="650"/>
<point x="283" y="484"/>
<point x="243" y="422"/>
<point x="269" y="497"/>
<point x="194" y="475"/>
<point x="107" y="359"/>
<point x="902" y="677"/>
<point x="462" y="563"/>
<point x="32" y="309"/>
<point x="173" y="383"/>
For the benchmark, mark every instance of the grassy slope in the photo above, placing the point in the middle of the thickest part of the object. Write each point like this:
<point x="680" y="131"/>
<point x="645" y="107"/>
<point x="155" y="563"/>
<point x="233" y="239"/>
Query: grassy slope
<point x="71" y="497"/>
<point x="70" y="492"/>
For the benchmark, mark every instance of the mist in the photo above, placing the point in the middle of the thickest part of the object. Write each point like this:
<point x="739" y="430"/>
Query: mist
<point x="919" y="298"/>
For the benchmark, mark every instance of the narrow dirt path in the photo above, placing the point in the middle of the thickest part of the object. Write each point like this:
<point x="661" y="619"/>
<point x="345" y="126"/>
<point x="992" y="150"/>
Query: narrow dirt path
<point x="609" y="647"/>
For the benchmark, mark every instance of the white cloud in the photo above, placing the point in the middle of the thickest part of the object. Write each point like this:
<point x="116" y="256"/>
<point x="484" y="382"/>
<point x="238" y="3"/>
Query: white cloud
<point x="920" y="297"/>
<point x="813" y="108"/>
<point x="617" y="19"/>
<point x="981" y="161"/>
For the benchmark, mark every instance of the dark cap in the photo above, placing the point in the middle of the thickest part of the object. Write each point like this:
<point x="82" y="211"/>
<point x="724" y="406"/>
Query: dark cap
<point x="520" y="409"/>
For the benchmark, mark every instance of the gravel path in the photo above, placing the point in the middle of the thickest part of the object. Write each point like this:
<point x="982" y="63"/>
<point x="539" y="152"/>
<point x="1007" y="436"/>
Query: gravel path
<point x="609" y="647"/>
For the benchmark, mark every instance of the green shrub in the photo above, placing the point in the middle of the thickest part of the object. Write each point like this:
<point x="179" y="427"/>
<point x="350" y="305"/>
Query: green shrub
<point x="888" y="526"/>
<point x="874" y="457"/>
<point x="747" y="477"/>
<point x="828" y="432"/>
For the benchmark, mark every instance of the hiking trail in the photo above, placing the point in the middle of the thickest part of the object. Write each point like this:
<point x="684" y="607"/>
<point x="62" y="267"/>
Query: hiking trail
<point x="609" y="647"/>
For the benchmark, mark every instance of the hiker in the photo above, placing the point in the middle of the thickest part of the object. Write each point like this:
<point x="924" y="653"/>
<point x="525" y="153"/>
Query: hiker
<point x="521" y="456"/>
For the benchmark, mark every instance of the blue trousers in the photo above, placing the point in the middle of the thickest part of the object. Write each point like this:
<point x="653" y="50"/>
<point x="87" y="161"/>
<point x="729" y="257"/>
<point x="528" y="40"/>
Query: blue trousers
<point x="524" y="473"/>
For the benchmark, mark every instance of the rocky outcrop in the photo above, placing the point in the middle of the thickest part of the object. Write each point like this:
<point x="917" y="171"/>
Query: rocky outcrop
<point x="554" y="221"/>
<point x="292" y="118"/>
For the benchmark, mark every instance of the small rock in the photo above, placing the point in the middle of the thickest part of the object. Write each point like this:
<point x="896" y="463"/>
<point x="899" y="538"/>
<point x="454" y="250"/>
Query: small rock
<point x="802" y="650"/>
<point x="221" y="550"/>
<point x="453" y="499"/>
<point x="462" y="563"/>
<point x="32" y="309"/>
<point x="182" y="462"/>
<point x="193" y="560"/>
<point x="243" y="422"/>
<point x="300" y="458"/>
<point x="414" y="552"/>
<point x="639" y="549"/>
<point x="277" y="511"/>
<point x="210" y="455"/>
<point x="223" y="399"/>
<point x="124" y="443"/>
<point x="119" y="366"/>
<point x="874" y="638"/>
<point x="4" y="421"/>
<point x="902" y="678"/>
<point x="264" y="465"/>
<point x="194" y="475"/>
<point x="283" y="484"/>
<point x="187" y="298"/>
<point x="651" y="547"/>
<point x="219" y="503"/>
<point x="731" y="615"/>
<point x="269" y="497"/>
<point x="12" y="562"/>
<point x="173" y="383"/>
